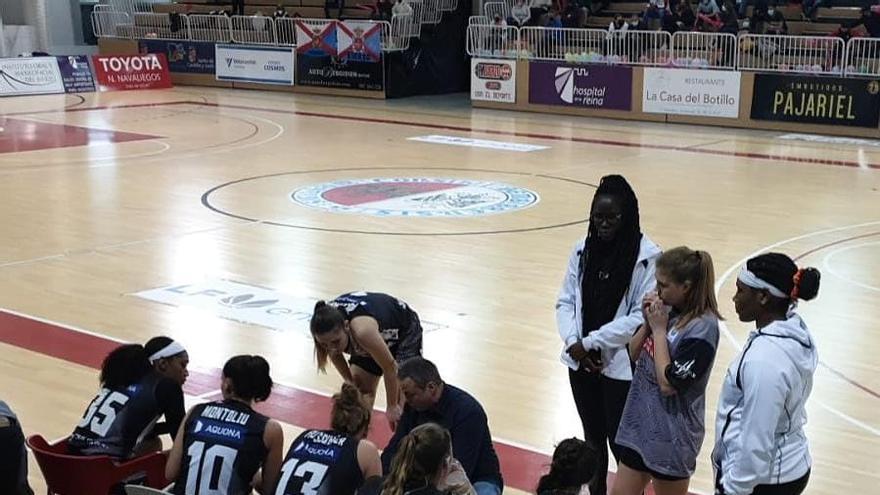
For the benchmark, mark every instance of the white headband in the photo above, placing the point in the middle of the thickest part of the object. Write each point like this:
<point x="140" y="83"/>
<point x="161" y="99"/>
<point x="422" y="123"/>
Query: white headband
<point x="169" y="350"/>
<point x="753" y="281"/>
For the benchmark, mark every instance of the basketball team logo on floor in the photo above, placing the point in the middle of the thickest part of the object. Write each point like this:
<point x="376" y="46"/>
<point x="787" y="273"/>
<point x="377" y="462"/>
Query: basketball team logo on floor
<point x="415" y="197"/>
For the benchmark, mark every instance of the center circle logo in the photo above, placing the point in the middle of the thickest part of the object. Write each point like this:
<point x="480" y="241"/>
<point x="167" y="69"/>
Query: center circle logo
<point x="417" y="197"/>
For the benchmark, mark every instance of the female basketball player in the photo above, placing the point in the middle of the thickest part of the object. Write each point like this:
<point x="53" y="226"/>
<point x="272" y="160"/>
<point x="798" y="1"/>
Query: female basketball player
<point x="662" y="427"/>
<point x="335" y="461"/>
<point x="226" y="442"/>
<point x="378" y="331"/>
<point x="170" y="360"/>
<point x="132" y="398"/>
<point x="761" y="417"/>
<point x="599" y="308"/>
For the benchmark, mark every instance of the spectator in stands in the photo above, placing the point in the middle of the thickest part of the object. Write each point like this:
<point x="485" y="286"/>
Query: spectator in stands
<point x="708" y="16"/>
<point x="539" y="10"/>
<point x="384" y="10"/>
<point x="499" y="21"/>
<point x="871" y="21"/>
<point x="339" y="5"/>
<point x="13" y="456"/>
<point x="682" y="18"/>
<point x="519" y="13"/>
<point x="280" y="12"/>
<point x="555" y="18"/>
<point x="775" y="21"/>
<point x="729" y="20"/>
<point x="132" y="397"/>
<point x="401" y="7"/>
<point x="429" y="399"/>
<point x="654" y="14"/>
<point x="618" y="26"/>
<point x="573" y="467"/>
<point x="237" y="7"/>
<point x="811" y="7"/>
<point x="574" y="15"/>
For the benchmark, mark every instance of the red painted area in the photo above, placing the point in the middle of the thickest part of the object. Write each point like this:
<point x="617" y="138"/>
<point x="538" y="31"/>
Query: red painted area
<point x="18" y="135"/>
<point x="358" y="194"/>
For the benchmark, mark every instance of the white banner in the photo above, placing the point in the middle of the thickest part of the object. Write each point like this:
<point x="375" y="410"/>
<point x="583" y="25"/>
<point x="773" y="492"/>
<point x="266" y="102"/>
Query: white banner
<point x="257" y="64"/>
<point x="245" y="303"/>
<point x="493" y="80"/>
<point x="478" y="143"/>
<point x="707" y="93"/>
<point x="30" y="76"/>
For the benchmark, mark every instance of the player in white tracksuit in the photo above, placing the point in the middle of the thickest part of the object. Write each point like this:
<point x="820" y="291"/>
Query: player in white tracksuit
<point x="760" y="444"/>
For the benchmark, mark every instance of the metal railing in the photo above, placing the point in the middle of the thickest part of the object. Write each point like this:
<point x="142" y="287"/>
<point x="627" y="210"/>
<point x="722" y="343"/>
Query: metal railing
<point x="493" y="41"/>
<point x="493" y="9"/>
<point x="862" y="57"/>
<point x="254" y="30"/>
<point x="781" y="53"/>
<point x="203" y="27"/>
<point x="768" y="53"/>
<point x="704" y="50"/>
<point x="431" y="13"/>
<point x="105" y="23"/>
<point x="160" y="26"/>
<point x="394" y="35"/>
<point x="399" y="34"/>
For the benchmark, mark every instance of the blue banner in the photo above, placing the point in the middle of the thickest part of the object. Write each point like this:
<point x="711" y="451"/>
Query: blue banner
<point x="188" y="57"/>
<point x="76" y="73"/>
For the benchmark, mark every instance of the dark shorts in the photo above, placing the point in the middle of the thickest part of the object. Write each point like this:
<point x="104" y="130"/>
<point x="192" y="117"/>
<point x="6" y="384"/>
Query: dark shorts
<point x="795" y="487"/>
<point x="633" y="460"/>
<point x="409" y="347"/>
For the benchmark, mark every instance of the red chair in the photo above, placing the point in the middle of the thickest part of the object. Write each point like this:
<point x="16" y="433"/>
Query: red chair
<point x="67" y="474"/>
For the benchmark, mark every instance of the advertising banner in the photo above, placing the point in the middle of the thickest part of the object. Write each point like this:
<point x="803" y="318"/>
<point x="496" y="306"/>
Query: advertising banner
<point x="257" y="64"/>
<point x="339" y="54"/>
<point x="76" y="74"/>
<point x="127" y="72"/>
<point x="586" y="86"/>
<point x="187" y="57"/>
<point x="30" y="76"/>
<point x="493" y="80"/>
<point x="708" y="93"/>
<point x="816" y="100"/>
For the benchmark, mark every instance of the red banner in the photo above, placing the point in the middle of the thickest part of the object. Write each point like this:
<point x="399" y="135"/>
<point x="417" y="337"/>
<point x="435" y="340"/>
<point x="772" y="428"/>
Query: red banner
<point x="123" y="72"/>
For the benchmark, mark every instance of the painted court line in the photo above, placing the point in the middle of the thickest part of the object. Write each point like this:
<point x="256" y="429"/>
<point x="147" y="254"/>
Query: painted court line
<point x="549" y="137"/>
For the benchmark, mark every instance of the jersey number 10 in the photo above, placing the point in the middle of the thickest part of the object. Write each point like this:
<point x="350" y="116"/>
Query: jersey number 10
<point x="202" y="462"/>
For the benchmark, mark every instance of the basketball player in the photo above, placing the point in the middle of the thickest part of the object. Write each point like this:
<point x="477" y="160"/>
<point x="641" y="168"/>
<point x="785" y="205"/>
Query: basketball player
<point x="221" y="445"/>
<point x="662" y="426"/>
<point x="170" y="360"/>
<point x="378" y="331"/>
<point x="131" y="399"/>
<point x="335" y="461"/>
<point x="760" y="445"/>
<point x="599" y="308"/>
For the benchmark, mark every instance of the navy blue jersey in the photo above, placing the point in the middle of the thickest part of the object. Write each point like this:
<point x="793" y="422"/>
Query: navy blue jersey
<point x="118" y="419"/>
<point x="398" y="324"/>
<point x="321" y="463"/>
<point x="224" y="448"/>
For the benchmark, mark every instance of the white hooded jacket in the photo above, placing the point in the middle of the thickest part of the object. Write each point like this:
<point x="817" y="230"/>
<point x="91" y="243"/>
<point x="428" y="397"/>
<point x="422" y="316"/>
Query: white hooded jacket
<point x="612" y="337"/>
<point x="759" y="429"/>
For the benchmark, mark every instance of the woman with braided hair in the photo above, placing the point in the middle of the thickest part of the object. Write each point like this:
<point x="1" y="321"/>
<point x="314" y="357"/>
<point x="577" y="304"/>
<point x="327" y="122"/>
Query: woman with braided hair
<point x="598" y="309"/>
<point x="760" y="445"/>
<point x="572" y="468"/>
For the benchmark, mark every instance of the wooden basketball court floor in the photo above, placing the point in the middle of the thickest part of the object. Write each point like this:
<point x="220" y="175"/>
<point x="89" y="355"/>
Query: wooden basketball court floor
<point x="188" y="191"/>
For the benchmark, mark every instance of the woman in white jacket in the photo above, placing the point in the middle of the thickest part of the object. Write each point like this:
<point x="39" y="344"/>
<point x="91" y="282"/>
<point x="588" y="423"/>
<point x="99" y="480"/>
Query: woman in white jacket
<point x="599" y="308"/>
<point x="760" y="445"/>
